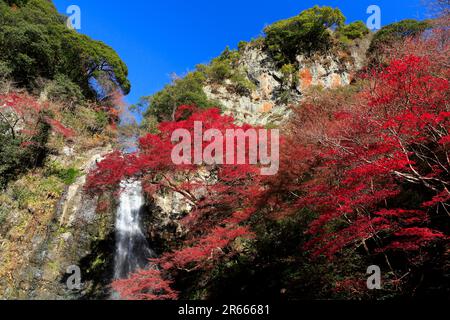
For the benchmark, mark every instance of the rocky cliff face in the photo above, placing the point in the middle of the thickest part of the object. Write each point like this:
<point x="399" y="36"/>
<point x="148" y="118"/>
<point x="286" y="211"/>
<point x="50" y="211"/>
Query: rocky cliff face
<point x="269" y="102"/>
<point x="166" y="209"/>
<point x="38" y="246"/>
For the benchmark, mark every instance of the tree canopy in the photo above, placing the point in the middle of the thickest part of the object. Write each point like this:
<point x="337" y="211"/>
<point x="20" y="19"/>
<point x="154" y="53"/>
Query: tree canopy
<point x="354" y="30"/>
<point x="36" y="44"/>
<point x="306" y="32"/>
<point x="397" y="31"/>
<point x="187" y="90"/>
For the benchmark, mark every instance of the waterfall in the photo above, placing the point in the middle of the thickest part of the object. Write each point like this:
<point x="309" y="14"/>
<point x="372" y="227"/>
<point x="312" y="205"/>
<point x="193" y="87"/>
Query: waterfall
<point x="132" y="248"/>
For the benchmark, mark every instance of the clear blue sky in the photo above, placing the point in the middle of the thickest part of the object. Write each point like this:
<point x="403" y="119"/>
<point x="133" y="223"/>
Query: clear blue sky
<point x="158" y="37"/>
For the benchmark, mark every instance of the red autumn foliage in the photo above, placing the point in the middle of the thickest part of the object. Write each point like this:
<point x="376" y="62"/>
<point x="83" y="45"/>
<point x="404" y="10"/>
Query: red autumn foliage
<point x="24" y="111"/>
<point x="145" y="285"/>
<point x="392" y="137"/>
<point x="223" y="198"/>
<point x="59" y="128"/>
<point x="109" y="172"/>
<point x="352" y="159"/>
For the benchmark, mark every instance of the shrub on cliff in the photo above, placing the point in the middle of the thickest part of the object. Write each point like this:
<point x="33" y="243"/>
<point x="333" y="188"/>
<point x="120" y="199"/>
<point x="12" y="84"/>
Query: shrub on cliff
<point x="354" y="30"/>
<point x="18" y="152"/>
<point x="64" y="91"/>
<point x="187" y="90"/>
<point x="10" y="154"/>
<point x="396" y="32"/>
<point x="226" y="67"/>
<point x="305" y="33"/>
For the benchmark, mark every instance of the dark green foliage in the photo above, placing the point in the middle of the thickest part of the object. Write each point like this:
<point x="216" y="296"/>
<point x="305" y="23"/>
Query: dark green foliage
<point x="5" y="70"/>
<point x="10" y="154"/>
<point x="69" y="176"/>
<point x="354" y="30"/>
<point x="241" y="84"/>
<point x="311" y="31"/>
<point x="222" y="67"/>
<point x="18" y="153"/>
<point x="183" y="91"/>
<point x="18" y="3"/>
<point x="36" y="43"/>
<point x="306" y="33"/>
<point x="397" y="31"/>
<point x="226" y="67"/>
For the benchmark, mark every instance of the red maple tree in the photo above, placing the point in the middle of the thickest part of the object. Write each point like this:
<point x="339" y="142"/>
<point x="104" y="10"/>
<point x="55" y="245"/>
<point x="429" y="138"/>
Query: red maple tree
<point x="223" y="198"/>
<point x="373" y="164"/>
<point x="354" y="159"/>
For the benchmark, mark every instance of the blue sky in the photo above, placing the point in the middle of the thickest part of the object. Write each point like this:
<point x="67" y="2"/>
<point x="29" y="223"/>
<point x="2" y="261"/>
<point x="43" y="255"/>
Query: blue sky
<point x="158" y="37"/>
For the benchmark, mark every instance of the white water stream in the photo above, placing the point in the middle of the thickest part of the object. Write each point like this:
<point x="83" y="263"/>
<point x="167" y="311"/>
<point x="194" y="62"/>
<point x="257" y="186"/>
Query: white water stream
<point x="132" y="248"/>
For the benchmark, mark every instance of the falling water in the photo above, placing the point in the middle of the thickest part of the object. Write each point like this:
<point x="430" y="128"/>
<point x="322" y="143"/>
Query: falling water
<point x="132" y="248"/>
